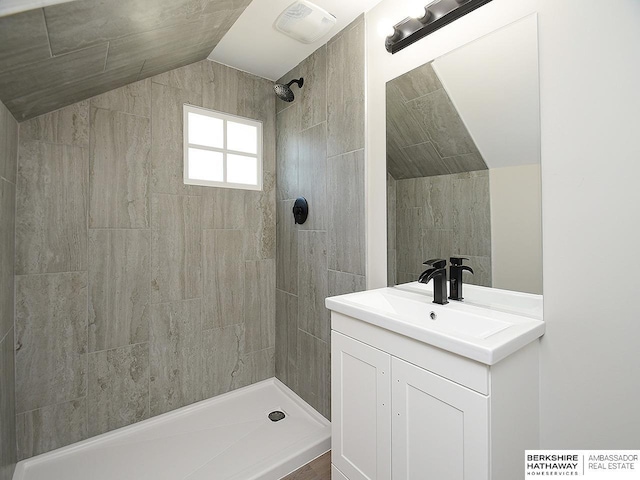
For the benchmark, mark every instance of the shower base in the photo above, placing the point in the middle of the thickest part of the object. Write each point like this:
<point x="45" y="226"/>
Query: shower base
<point x="228" y="437"/>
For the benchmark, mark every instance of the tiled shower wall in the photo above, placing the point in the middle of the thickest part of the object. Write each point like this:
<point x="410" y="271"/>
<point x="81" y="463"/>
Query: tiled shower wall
<point x="320" y="156"/>
<point x="439" y="217"/>
<point x="8" y="159"/>
<point x="136" y="294"/>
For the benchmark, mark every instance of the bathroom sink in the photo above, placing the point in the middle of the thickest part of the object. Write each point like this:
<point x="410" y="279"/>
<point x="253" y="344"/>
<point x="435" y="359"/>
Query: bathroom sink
<point x="519" y="303"/>
<point x="481" y="334"/>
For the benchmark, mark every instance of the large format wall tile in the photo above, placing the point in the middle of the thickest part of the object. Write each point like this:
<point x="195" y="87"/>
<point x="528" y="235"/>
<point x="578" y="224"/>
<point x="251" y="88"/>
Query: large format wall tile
<point x="313" y="288"/>
<point x="119" y="170"/>
<point x="118" y="391"/>
<point x="224" y="277"/>
<point x="287" y="153"/>
<point x="20" y="49"/>
<point x="260" y="221"/>
<point x="51" y="223"/>
<point x="257" y="366"/>
<point x="68" y="126"/>
<point x="175" y="355"/>
<point x="8" y="145"/>
<point x="7" y="243"/>
<point x="224" y="351"/>
<point x="345" y="186"/>
<point x="287" y="338"/>
<point x="341" y="283"/>
<point x="472" y="214"/>
<point x="312" y="175"/>
<point x="313" y="95"/>
<point x="51" y="339"/>
<point x="176" y="248"/>
<point x="286" y="248"/>
<point x="260" y="305"/>
<point x="134" y="98"/>
<point x="7" y="407"/>
<point x="314" y="381"/>
<point x="119" y="288"/>
<point x="443" y="123"/>
<point x="51" y="427"/>
<point x="188" y="77"/>
<point x="416" y="83"/>
<point x="223" y="208"/>
<point x="345" y="91"/>
<point x="167" y="150"/>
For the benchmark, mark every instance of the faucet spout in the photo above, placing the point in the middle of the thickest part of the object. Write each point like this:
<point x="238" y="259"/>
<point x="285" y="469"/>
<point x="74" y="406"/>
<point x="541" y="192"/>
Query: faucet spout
<point x="437" y="273"/>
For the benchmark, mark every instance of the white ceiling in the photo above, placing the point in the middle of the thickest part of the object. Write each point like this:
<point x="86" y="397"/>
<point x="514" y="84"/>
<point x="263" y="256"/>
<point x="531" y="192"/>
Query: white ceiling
<point x="9" y="7"/>
<point x="255" y="46"/>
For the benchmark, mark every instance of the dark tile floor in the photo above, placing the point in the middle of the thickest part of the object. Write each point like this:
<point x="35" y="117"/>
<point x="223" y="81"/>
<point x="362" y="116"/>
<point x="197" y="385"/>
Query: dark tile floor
<point x="318" y="469"/>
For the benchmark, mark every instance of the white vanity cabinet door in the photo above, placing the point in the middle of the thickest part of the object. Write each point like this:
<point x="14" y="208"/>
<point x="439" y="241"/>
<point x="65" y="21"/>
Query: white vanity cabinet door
<point x="440" y="428"/>
<point x="361" y="409"/>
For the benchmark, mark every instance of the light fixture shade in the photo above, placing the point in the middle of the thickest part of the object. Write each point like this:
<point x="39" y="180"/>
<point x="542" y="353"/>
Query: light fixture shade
<point x="305" y="22"/>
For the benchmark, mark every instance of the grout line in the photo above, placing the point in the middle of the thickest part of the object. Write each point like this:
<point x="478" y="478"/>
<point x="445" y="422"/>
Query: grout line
<point x="115" y="110"/>
<point x="9" y="181"/>
<point x="141" y="229"/>
<point x="46" y="27"/>
<point x="46" y="142"/>
<point x="131" y="345"/>
<point x="50" y="273"/>
<point x="345" y="153"/>
<point x="6" y="334"/>
<point x="57" y="404"/>
<point x="106" y="57"/>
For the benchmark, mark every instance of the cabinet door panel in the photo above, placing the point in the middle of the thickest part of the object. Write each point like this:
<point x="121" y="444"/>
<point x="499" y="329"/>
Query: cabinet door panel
<point x="361" y="409"/>
<point x="440" y="429"/>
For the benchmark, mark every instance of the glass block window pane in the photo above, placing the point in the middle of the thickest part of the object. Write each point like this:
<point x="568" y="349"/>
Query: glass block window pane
<point x="221" y="150"/>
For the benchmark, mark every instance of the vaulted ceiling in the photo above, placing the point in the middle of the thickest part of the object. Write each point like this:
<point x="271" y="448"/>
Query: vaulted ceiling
<point x="57" y="55"/>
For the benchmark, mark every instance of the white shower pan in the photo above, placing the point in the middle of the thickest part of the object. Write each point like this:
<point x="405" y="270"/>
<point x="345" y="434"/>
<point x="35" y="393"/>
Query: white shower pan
<point x="228" y="437"/>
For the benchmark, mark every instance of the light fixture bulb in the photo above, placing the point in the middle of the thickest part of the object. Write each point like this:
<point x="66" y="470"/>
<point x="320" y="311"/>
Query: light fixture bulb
<point x="416" y="8"/>
<point x="385" y="28"/>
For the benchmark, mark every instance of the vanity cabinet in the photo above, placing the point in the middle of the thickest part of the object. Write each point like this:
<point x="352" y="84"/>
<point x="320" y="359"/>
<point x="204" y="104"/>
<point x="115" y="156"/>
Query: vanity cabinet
<point x="403" y="410"/>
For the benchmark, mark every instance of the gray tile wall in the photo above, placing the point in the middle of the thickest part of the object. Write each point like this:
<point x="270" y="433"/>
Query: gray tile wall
<point x="8" y="162"/>
<point x="425" y="134"/>
<point x="439" y="217"/>
<point x="135" y="294"/>
<point x="320" y="146"/>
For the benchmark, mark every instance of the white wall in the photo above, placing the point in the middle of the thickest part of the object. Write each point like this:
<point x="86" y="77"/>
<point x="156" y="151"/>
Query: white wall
<point x="493" y="83"/>
<point x="590" y="111"/>
<point x="516" y="228"/>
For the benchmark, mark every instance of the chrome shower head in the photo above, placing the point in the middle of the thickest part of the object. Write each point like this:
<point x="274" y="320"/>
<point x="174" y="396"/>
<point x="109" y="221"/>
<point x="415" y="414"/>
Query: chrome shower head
<point x="284" y="92"/>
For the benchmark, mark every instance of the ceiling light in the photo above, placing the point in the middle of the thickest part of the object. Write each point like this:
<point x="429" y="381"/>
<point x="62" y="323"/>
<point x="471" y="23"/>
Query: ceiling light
<point x="305" y="22"/>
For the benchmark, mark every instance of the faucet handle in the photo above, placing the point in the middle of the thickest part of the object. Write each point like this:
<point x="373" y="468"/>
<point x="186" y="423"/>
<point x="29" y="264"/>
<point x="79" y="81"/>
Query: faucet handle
<point x="457" y="260"/>
<point x="436" y="263"/>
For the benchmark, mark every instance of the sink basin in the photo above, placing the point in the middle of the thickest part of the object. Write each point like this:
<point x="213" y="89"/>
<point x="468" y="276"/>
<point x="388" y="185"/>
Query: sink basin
<point x="525" y="304"/>
<point x="482" y="334"/>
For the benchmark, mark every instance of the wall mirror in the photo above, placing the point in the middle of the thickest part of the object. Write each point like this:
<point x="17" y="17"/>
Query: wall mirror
<point x="463" y="162"/>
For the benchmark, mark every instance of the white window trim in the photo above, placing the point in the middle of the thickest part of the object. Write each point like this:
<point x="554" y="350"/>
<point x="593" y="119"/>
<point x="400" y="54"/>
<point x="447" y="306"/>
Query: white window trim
<point x="225" y="117"/>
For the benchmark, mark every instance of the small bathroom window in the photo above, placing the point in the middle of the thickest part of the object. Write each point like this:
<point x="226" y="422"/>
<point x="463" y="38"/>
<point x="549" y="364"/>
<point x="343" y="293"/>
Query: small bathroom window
<point x="221" y="150"/>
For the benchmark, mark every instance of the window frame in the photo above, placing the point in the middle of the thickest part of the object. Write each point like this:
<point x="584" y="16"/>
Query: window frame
<point x="225" y="117"/>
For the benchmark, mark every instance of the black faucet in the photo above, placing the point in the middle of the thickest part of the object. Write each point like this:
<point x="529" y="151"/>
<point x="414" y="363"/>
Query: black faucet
<point x="455" y="277"/>
<point x="438" y="272"/>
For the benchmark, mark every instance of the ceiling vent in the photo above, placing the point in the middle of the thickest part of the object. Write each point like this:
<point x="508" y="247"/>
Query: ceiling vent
<point x="305" y="22"/>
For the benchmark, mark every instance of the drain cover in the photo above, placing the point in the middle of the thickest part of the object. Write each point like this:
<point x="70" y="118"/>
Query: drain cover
<point x="276" y="416"/>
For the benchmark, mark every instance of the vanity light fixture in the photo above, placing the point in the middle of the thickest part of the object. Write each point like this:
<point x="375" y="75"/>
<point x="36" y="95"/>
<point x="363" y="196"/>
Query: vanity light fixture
<point x="436" y="15"/>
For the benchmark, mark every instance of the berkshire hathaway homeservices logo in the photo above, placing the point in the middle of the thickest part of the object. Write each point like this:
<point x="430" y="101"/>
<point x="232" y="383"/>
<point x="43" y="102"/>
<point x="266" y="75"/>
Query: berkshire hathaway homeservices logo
<point x="587" y="464"/>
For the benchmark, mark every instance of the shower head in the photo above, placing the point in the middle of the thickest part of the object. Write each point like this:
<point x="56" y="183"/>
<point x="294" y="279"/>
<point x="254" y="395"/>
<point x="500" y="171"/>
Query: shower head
<point x="284" y="92"/>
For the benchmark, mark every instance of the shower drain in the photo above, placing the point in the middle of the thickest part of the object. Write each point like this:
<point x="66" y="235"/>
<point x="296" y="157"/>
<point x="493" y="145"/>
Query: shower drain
<point x="276" y="416"/>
